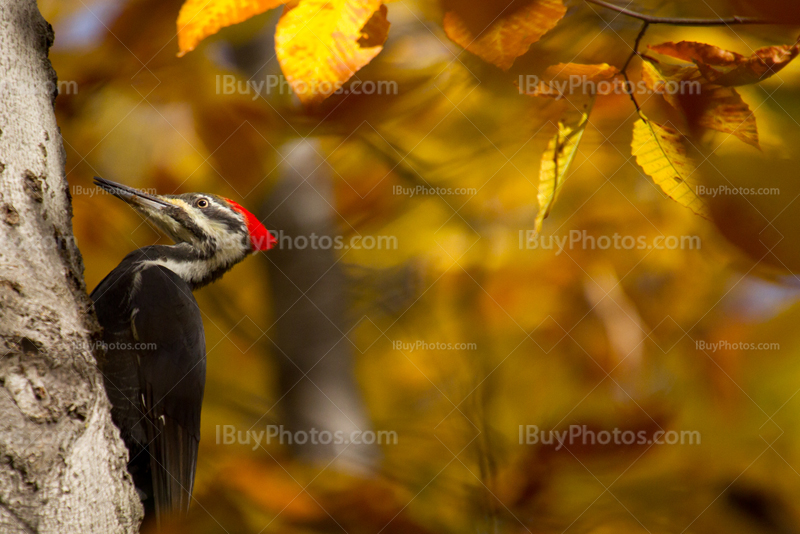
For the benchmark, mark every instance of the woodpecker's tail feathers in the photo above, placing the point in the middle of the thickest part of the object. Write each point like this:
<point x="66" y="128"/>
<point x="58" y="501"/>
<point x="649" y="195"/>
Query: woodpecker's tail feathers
<point x="173" y="457"/>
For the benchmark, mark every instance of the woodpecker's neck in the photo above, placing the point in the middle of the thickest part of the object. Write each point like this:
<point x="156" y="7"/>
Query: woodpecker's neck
<point x="197" y="267"/>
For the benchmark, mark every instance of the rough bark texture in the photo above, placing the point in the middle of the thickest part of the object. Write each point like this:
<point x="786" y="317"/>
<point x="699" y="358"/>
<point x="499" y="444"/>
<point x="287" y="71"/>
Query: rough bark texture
<point x="62" y="464"/>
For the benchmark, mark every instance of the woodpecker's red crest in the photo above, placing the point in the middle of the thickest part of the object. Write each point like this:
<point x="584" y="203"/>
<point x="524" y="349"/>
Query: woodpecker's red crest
<point x="259" y="236"/>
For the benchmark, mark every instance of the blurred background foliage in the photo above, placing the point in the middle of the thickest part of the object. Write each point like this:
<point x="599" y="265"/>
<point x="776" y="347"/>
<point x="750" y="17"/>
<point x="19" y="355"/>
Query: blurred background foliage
<point x="603" y="338"/>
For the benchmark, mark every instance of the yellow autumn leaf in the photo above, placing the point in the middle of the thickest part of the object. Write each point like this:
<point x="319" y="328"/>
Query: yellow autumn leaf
<point x="320" y="44"/>
<point x="200" y="18"/>
<point x="508" y="36"/>
<point x="661" y="153"/>
<point x="705" y="104"/>
<point x="557" y="159"/>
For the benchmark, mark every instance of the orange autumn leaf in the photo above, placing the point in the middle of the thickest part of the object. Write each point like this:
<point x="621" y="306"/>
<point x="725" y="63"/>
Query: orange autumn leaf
<point x="572" y="78"/>
<point x="200" y="18"/>
<point x="697" y="52"/>
<point x="705" y="104"/>
<point x="727" y="68"/>
<point x="510" y="35"/>
<point x="320" y="44"/>
<point x="726" y="112"/>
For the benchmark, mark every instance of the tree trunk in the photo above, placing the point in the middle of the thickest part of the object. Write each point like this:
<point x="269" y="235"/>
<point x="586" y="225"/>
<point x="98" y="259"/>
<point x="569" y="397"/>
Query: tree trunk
<point x="62" y="463"/>
<point x="309" y="295"/>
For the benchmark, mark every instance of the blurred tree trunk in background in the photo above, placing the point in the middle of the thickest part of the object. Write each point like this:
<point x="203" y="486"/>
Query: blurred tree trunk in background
<point x="309" y="294"/>
<point x="62" y="464"/>
<point x="310" y="298"/>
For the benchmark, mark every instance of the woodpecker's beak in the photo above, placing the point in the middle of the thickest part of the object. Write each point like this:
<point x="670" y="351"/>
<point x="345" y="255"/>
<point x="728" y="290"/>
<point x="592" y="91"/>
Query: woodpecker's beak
<point x="134" y="197"/>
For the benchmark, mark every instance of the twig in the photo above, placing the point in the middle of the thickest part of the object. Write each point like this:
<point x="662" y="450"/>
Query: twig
<point x="649" y="19"/>
<point x="634" y="53"/>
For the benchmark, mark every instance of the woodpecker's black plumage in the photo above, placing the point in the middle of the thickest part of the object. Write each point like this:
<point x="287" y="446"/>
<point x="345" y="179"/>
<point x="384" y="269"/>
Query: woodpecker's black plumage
<point x="155" y="359"/>
<point x="154" y="373"/>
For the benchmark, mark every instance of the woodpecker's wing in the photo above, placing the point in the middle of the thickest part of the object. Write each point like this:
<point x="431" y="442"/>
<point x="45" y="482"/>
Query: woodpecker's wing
<point x="172" y="378"/>
<point x="160" y="321"/>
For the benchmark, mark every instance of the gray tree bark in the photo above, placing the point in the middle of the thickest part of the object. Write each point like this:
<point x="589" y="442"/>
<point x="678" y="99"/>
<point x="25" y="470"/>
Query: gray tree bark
<point x="62" y="463"/>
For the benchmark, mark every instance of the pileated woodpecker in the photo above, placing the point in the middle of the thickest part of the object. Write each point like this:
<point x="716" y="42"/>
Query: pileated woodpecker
<point x="155" y="363"/>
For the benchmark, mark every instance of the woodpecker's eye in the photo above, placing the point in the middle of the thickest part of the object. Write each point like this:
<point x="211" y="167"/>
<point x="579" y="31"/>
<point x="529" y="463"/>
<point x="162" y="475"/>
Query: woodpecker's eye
<point x="202" y="203"/>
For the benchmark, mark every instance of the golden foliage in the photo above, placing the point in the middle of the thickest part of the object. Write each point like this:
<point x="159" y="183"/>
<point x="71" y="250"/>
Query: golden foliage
<point x="665" y="78"/>
<point x="727" y="68"/>
<point x="557" y="159"/>
<point x="709" y="106"/>
<point x="726" y="112"/>
<point x="200" y="18"/>
<point x="661" y="153"/>
<point x="560" y="78"/>
<point x="321" y="43"/>
<point x="548" y="351"/>
<point x="508" y="36"/>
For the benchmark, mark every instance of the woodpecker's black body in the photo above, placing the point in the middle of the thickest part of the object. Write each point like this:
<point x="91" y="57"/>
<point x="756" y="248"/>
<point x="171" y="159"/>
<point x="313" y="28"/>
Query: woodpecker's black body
<point x="154" y="374"/>
<point x="155" y="361"/>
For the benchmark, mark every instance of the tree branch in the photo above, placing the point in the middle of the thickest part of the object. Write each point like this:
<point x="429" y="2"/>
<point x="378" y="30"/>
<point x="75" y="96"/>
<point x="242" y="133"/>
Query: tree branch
<point x="649" y="19"/>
